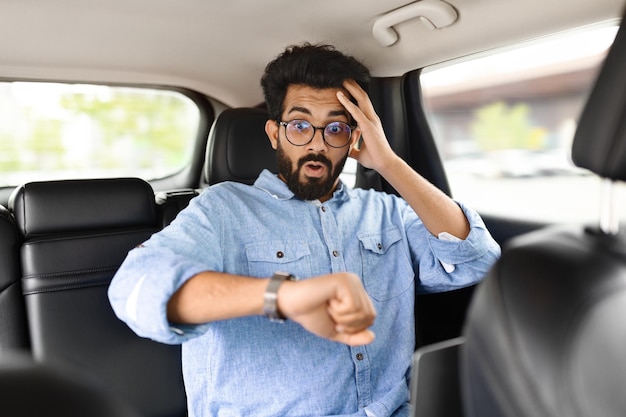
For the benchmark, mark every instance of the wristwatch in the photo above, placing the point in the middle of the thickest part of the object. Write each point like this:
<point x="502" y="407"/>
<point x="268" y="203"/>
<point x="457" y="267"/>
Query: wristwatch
<point x="270" y="306"/>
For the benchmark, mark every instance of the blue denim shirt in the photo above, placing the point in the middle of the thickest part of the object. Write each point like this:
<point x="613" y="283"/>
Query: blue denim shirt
<point x="253" y="367"/>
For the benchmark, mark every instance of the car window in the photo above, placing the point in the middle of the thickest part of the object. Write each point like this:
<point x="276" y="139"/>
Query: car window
<point x="55" y="130"/>
<point x="348" y="175"/>
<point x="504" y="125"/>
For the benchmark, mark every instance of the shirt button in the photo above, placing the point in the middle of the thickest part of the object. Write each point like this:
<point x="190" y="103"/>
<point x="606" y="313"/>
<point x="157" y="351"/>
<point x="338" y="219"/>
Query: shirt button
<point x="279" y="254"/>
<point x="324" y="209"/>
<point x="359" y="356"/>
<point x="380" y="246"/>
<point x="335" y="253"/>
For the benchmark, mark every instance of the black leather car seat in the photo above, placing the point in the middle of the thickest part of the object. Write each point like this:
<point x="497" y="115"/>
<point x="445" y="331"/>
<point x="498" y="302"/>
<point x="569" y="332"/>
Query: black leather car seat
<point x="238" y="148"/>
<point x="546" y="330"/>
<point x="32" y="389"/>
<point x="75" y="234"/>
<point x="13" y="327"/>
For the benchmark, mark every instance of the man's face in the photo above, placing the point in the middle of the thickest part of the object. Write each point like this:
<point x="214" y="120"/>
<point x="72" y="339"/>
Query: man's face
<point x="311" y="171"/>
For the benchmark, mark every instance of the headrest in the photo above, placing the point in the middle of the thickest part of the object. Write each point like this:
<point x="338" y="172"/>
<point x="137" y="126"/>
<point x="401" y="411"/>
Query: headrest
<point x="600" y="140"/>
<point x="79" y="205"/>
<point x="238" y="147"/>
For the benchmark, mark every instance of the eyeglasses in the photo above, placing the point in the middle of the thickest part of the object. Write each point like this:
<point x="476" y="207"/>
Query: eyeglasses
<point x="300" y="132"/>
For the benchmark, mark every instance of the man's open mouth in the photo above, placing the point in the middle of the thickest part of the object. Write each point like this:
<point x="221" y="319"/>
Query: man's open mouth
<point x="314" y="169"/>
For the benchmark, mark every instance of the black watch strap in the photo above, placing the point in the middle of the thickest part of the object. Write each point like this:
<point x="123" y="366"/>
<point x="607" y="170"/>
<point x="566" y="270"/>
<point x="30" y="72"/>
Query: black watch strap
<point x="270" y="298"/>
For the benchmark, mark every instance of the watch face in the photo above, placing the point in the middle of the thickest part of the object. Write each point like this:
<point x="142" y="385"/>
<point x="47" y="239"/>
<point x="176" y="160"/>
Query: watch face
<point x="270" y="305"/>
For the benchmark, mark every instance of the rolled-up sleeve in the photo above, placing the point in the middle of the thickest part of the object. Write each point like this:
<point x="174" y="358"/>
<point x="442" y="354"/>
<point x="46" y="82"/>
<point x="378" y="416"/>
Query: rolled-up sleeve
<point x="471" y="257"/>
<point x="155" y="270"/>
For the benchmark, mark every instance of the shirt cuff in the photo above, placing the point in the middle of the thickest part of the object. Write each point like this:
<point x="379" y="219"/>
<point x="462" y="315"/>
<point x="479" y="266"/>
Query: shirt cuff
<point x="449" y="268"/>
<point x="456" y="251"/>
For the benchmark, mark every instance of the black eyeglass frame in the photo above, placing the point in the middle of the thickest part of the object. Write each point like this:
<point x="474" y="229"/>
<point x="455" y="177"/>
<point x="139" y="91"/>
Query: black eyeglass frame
<point x="315" y="129"/>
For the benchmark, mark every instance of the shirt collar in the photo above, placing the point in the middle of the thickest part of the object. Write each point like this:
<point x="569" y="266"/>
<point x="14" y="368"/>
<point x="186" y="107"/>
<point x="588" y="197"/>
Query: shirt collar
<point x="271" y="184"/>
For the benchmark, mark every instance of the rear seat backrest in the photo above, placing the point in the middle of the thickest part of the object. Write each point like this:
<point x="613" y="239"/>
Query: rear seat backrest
<point x="75" y="235"/>
<point x="13" y="328"/>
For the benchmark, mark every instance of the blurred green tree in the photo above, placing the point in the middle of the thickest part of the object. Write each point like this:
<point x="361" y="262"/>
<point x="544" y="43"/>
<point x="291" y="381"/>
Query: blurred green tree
<point x="498" y="126"/>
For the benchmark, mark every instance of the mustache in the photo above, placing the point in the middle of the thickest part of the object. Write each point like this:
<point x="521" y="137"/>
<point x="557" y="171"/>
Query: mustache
<point x="315" y="158"/>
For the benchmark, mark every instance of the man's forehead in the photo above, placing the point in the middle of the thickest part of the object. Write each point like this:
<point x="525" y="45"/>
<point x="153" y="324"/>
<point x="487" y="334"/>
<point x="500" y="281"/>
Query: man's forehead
<point x="309" y="100"/>
<point x="330" y="112"/>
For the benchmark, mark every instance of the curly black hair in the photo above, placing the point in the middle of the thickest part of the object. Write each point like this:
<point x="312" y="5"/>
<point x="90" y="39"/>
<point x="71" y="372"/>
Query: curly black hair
<point x="318" y="66"/>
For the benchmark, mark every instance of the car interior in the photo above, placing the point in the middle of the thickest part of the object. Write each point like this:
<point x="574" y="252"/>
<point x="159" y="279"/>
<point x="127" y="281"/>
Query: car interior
<point x="540" y="336"/>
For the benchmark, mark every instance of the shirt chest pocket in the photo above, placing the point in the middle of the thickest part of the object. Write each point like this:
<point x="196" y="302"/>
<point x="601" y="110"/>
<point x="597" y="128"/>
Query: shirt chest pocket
<point x="265" y="258"/>
<point x="387" y="270"/>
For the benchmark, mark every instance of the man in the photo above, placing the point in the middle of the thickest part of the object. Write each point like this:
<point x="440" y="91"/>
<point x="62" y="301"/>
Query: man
<point x="210" y="279"/>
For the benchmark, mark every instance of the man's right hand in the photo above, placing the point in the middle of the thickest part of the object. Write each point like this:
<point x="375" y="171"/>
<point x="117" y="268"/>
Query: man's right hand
<point x="334" y="306"/>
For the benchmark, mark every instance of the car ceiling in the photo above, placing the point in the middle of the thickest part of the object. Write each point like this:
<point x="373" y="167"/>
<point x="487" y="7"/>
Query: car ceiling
<point x="220" y="47"/>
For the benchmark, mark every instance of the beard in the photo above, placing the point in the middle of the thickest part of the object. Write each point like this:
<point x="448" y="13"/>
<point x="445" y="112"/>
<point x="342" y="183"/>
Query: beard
<point x="309" y="188"/>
